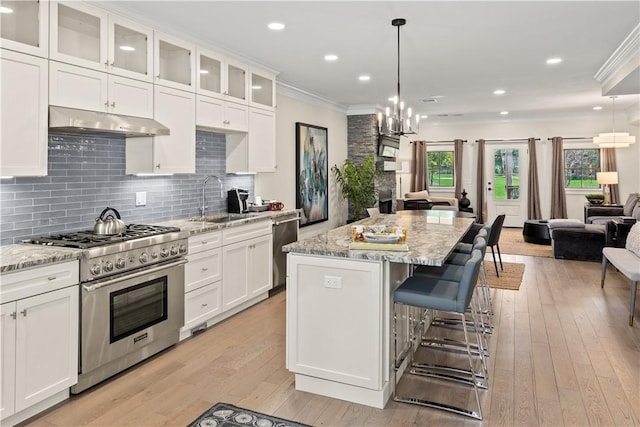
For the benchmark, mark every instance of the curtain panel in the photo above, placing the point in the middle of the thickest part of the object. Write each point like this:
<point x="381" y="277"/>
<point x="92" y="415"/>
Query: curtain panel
<point x="608" y="164"/>
<point x="457" y="164"/>
<point x="533" y="202"/>
<point x="481" y="206"/>
<point x="558" y="196"/>
<point x="418" y="170"/>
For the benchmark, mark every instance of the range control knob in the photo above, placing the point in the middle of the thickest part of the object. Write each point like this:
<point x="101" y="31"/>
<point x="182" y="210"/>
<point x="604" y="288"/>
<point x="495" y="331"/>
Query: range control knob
<point x="108" y="266"/>
<point x="143" y="257"/>
<point x="154" y="255"/>
<point x="95" y="269"/>
<point x="164" y="252"/>
<point x="183" y="249"/>
<point x="120" y="263"/>
<point x="174" y="250"/>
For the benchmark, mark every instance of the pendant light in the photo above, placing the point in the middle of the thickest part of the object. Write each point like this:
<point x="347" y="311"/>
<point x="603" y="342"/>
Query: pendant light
<point x="396" y="120"/>
<point x="614" y="139"/>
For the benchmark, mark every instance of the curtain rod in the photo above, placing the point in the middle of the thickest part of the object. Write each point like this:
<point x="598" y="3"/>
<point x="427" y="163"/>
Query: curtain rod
<point x="507" y="140"/>
<point x="437" y="142"/>
<point x="574" y="137"/>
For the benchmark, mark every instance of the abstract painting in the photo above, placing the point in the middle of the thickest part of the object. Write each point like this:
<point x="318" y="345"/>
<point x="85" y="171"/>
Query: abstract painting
<point x="312" y="169"/>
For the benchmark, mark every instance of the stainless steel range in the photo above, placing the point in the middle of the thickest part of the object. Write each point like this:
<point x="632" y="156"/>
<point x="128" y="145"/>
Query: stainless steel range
<point x="131" y="296"/>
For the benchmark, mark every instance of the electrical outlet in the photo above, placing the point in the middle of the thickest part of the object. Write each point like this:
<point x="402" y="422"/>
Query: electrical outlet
<point x="141" y="198"/>
<point x="333" y="282"/>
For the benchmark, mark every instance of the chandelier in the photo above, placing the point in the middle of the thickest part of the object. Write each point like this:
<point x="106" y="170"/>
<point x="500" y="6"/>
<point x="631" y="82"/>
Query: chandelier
<point x="396" y="121"/>
<point x="614" y="139"/>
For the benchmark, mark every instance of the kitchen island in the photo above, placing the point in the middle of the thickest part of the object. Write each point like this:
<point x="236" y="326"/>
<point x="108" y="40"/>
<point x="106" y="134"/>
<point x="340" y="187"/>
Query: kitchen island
<point x="340" y="304"/>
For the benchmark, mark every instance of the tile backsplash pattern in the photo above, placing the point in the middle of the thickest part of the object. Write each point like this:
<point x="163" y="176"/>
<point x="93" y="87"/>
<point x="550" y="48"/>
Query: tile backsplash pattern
<point x="87" y="174"/>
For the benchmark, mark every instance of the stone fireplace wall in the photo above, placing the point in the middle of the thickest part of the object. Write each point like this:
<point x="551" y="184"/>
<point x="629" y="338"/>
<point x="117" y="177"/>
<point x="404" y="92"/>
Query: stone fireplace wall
<point x="362" y="140"/>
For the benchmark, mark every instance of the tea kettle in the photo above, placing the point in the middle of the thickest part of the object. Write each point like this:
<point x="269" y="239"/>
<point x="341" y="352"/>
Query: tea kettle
<point x="108" y="225"/>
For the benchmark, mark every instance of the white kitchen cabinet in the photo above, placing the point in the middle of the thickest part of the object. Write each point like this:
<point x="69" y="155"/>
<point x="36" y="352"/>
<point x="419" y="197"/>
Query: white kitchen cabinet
<point x="173" y="153"/>
<point x="263" y="89"/>
<point x="219" y="114"/>
<point x="174" y="62"/>
<point x="221" y="77"/>
<point x="24" y="130"/>
<point x="26" y="28"/>
<point x="247" y="258"/>
<point x="77" y="87"/>
<point x="90" y="37"/>
<point x="40" y="330"/>
<point x="262" y="140"/>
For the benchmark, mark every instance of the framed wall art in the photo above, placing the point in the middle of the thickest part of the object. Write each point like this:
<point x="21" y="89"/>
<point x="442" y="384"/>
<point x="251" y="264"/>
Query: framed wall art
<point x="312" y="169"/>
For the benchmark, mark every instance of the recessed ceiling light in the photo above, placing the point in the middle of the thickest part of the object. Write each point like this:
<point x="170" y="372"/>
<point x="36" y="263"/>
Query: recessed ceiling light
<point x="436" y="97"/>
<point x="499" y="92"/>
<point x="4" y="9"/>
<point x="597" y="108"/>
<point x="552" y="61"/>
<point x="331" y="57"/>
<point x="504" y="113"/>
<point x="364" y="78"/>
<point x="127" y="48"/>
<point x="204" y="71"/>
<point x="276" y="26"/>
<point x="256" y="87"/>
<point x="424" y="116"/>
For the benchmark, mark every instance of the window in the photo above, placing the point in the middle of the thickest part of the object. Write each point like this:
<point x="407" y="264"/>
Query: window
<point x="580" y="167"/>
<point x="440" y="168"/>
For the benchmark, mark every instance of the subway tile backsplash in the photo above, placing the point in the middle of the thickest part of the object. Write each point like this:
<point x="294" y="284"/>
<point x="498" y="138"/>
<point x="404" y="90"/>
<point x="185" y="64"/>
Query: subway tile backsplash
<point x="87" y="174"/>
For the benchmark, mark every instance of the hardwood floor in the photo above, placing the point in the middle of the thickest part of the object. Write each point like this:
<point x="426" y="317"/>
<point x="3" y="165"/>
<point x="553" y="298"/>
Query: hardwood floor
<point x="562" y="353"/>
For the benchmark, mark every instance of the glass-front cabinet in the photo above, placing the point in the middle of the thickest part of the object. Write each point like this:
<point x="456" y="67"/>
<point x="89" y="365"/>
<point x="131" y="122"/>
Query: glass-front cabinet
<point x="222" y="78"/>
<point x="24" y="26"/>
<point x="130" y="49"/>
<point x="174" y="63"/>
<point x="262" y="89"/>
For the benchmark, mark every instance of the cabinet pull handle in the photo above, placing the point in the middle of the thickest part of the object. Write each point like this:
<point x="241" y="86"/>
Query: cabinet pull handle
<point x="113" y="104"/>
<point x="24" y="312"/>
<point x="51" y="278"/>
<point x="13" y="315"/>
<point x="158" y="166"/>
<point x="204" y="243"/>
<point x="205" y="304"/>
<point x="106" y="63"/>
<point x="106" y="104"/>
<point x="205" y="269"/>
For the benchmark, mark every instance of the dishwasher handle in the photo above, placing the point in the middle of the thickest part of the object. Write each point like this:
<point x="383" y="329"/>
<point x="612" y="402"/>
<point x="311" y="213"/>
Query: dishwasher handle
<point x="287" y="220"/>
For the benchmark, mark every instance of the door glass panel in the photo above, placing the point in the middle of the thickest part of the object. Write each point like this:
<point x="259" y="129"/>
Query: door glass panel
<point x="78" y="34"/>
<point x="236" y="82"/>
<point x="210" y="74"/>
<point x="261" y="90"/>
<point x="21" y="21"/>
<point x="130" y="50"/>
<point x="175" y="63"/>
<point x="506" y="174"/>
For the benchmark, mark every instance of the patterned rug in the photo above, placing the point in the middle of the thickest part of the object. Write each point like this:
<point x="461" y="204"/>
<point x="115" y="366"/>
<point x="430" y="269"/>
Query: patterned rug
<point x="510" y="278"/>
<point x="226" y="415"/>
<point x="512" y="242"/>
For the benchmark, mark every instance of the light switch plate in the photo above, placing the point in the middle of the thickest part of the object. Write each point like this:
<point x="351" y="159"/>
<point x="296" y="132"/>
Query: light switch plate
<point x="141" y="198"/>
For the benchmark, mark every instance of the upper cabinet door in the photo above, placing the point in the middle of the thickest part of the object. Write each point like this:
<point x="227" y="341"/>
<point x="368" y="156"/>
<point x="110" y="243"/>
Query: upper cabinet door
<point x="263" y="90"/>
<point x="210" y="74"/>
<point x="237" y="81"/>
<point x="79" y="35"/>
<point x="174" y="62"/>
<point x="130" y="49"/>
<point x="25" y="27"/>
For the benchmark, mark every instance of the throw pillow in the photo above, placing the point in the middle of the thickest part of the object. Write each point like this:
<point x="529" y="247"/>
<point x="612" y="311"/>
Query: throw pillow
<point x="424" y="194"/>
<point x="565" y="223"/>
<point x="631" y="203"/>
<point x="633" y="239"/>
<point x="636" y="213"/>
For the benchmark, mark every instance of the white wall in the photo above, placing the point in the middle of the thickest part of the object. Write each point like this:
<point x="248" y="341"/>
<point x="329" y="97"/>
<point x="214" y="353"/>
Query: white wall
<point x="281" y="184"/>
<point x="628" y="159"/>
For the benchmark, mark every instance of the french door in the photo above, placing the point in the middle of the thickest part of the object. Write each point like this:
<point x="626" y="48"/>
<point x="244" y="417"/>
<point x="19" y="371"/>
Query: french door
<point x="506" y="166"/>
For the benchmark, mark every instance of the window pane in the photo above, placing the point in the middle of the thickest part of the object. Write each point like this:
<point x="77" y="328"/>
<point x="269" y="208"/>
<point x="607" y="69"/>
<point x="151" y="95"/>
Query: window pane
<point x="506" y="174"/>
<point x="580" y="167"/>
<point x="440" y="168"/>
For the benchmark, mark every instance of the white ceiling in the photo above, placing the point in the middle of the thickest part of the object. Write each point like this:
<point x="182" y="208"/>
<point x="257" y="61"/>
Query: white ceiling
<point x="460" y="50"/>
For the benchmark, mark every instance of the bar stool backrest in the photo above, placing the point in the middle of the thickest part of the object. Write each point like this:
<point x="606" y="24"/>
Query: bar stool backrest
<point x="496" y="229"/>
<point x="468" y="281"/>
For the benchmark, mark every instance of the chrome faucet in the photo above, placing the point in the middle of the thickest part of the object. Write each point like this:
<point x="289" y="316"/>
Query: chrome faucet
<point x="204" y="207"/>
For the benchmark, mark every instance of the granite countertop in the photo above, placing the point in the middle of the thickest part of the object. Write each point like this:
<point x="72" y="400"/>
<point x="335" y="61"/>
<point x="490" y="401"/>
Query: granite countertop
<point x="23" y="255"/>
<point x="221" y="221"/>
<point x="430" y="239"/>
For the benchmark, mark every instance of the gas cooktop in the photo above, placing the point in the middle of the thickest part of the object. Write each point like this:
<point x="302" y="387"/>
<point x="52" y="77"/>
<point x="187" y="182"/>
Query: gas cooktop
<point x="87" y="239"/>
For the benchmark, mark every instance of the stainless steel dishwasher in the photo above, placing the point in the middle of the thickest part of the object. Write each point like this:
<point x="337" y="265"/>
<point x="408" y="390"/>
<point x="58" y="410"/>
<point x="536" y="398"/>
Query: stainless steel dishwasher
<point x="285" y="230"/>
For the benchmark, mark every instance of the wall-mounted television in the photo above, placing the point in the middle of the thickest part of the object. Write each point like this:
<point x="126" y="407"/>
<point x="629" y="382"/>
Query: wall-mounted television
<point x="388" y="146"/>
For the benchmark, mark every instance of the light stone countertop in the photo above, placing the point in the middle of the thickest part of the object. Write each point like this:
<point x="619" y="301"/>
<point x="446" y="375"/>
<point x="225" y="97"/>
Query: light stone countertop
<point x="430" y="238"/>
<point x="24" y="255"/>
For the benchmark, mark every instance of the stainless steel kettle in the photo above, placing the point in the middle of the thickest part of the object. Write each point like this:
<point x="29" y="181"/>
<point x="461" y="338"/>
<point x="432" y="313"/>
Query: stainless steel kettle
<point x="109" y="225"/>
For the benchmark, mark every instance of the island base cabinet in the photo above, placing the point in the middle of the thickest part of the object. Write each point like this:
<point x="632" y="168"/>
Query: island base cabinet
<point x="42" y="360"/>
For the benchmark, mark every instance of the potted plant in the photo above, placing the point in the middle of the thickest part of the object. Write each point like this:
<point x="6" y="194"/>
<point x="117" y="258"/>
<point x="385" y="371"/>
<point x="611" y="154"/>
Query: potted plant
<point x="357" y="184"/>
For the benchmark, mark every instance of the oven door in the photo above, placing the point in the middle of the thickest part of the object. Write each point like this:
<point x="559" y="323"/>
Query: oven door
<point x="124" y="314"/>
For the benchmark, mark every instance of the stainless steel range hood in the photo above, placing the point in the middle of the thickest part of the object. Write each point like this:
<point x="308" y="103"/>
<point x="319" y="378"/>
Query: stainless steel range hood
<point x="64" y="119"/>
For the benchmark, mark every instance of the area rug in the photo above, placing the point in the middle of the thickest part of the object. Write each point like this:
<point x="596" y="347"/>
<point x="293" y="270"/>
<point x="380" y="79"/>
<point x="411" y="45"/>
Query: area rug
<point x="510" y="278"/>
<point x="226" y="415"/>
<point x="512" y="242"/>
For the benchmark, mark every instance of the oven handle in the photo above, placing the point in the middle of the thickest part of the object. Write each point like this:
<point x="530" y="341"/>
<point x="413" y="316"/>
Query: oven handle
<point x="287" y="220"/>
<point x="94" y="286"/>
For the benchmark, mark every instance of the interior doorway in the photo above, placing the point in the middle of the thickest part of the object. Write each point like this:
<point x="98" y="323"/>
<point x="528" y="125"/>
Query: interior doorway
<point x="506" y="181"/>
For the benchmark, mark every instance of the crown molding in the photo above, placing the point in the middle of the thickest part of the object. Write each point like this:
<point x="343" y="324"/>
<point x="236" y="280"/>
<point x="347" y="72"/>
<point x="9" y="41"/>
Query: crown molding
<point x="624" y="61"/>
<point x="305" y="96"/>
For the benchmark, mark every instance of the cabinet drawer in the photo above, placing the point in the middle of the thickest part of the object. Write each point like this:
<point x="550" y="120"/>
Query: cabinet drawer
<point x="245" y="232"/>
<point x="26" y="283"/>
<point x="202" y="304"/>
<point x="202" y="268"/>
<point x="205" y="241"/>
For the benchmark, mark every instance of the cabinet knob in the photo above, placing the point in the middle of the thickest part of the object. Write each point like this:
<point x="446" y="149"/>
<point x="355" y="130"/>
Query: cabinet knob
<point x="13" y="315"/>
<point x="106" y="104"/>
<point x="158" y="166"/>
<point x="24" y="312"/>
<point x="106" y="63"/>
<point x="113" y="104"/>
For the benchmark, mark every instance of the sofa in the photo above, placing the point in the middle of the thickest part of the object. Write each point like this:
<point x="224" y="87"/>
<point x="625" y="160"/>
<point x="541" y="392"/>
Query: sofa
<point x="423" y="200"/>
<point x="573" y="239"/>
<point x="601" y="214"/>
